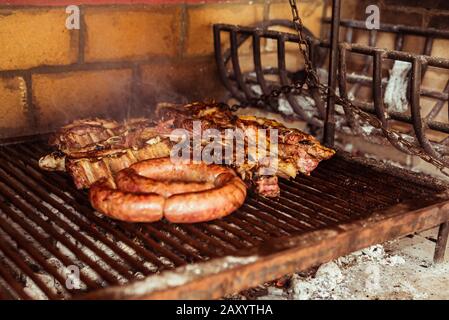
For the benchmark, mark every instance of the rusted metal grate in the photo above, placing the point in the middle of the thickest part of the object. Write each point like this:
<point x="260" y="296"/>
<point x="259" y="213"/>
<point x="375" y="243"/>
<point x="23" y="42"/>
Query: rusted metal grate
<point x="424" y="127"/>
<point x="47" y="225"/>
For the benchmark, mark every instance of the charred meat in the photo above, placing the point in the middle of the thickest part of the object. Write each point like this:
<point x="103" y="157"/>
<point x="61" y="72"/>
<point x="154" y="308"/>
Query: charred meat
<point x="93" y="149"/>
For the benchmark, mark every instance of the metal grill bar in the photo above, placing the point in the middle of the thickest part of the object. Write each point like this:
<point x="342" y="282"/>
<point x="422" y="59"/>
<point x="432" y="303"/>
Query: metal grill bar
<point x="238" y="83"/>
<point x="48" y="218"/>
<point x="75" y="201"/>
<point x="400" y="30"/>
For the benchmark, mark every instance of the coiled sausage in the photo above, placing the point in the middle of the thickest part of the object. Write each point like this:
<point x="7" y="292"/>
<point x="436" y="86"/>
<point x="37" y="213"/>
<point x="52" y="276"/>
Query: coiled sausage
<point x="180" y="192"/>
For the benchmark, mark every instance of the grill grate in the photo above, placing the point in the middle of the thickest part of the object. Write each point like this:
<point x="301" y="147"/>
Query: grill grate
<point x="46" y="225"/>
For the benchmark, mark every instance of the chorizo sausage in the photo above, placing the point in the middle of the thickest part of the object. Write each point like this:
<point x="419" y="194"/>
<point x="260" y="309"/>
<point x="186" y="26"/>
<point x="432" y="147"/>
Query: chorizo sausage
<point x="133" y="207"/>
<point x="130" y="181"/>
<point x="180" y="192"/>
<point x="226" y="197"/>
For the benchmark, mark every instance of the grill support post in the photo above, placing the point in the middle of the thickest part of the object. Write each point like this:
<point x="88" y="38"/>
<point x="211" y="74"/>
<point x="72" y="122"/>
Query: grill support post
<point x="440" y="247"/>
<point x="329" y="125"/>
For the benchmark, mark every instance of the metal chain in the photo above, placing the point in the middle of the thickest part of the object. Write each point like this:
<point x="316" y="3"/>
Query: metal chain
<point x="312" y="81"/>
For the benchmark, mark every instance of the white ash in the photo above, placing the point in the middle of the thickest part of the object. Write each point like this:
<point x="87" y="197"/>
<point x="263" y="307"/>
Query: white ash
<point x="367" y="129"/>
<point x="99" y="261"/>
<point x="325" y="284"/>
<point x="274" y="294"/>
<point x="308" y="105"/>
<point x="349" y="147"/>
<point x="61" y="216"/>
<point x="71" y="209"/>
<point x="396" y="91"/>
<point x="257" y="89"/>
<point x="285" y="107"/>
<point x="127" y="249"/>
<point x="53" y="284"/>
<point x="49" y="281"/>
<point x="33" y="291"/>
<point x="371" y="273"/>
<point x="99" y="244"/>
<point x="166" y="261"/>
<point x="252" y="74"/>
<point x="391" y="162"/>
<point x="150" y="266"/>
<point x="226" y="232"/>
<point x="305" y="102"/>
<point x="84" y="269"/>
<point x="30" y="287"/>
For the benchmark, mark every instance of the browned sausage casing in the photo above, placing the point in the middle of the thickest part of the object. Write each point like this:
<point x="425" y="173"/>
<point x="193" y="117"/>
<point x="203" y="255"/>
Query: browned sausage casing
<point x="130" y="181"/>
<point x="226" y="197"/>
<point x="182" y="192"/>
<point x="127" y="206"/>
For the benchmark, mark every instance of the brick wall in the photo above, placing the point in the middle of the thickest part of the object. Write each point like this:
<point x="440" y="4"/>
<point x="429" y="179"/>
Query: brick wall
<point x="127" y="56"/>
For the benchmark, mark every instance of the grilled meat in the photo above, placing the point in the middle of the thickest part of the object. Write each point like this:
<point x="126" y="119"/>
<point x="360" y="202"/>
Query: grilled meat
<point x="297" y="151"/>
<point x="86" y="171"/>
<point x="95" y="149"/>
<point x="54" y="161"/>
<point x="268" y="186"/>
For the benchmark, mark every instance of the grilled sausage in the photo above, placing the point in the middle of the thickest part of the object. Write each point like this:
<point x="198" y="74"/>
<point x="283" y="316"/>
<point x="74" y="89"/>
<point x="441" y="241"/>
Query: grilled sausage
<point x="228" y="195"/>
<point x="130" y="181"/>
<point x="132" y="207"/>
<point x="182" y="192"/>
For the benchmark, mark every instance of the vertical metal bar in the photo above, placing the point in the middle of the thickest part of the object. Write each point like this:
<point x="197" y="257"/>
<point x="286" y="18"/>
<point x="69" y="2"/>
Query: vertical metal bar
<point x="349" y="35"/>
<point x="438" y="105"/>
<point x="258" y="62"/>
<point x="419" y="125"/>
<point x="378" y="99"/>
<point x="367" y="62"/>
<point x="377" y="88"/>
<point x="236" y="66"/>
<point x="399" y="42"/>
<point x="221" y="65"/>
<point x="350" y="117"/>
<point x="372" y="37"/>
<point x="329" y="127"/>
<point x="428" y="46"/>
<point x="315" y="92"/>
<point x="440" y="247"/>
<point x="426" y="51"/>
